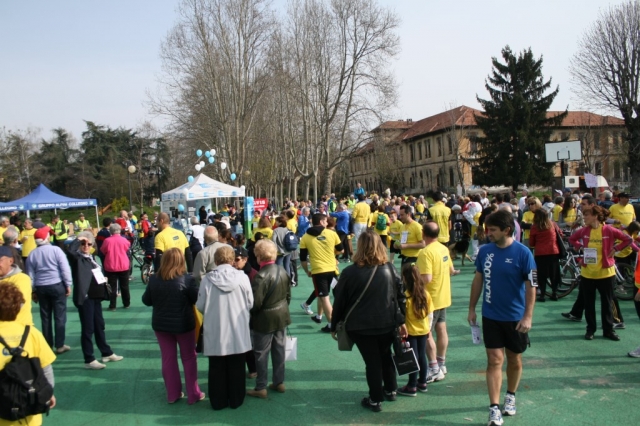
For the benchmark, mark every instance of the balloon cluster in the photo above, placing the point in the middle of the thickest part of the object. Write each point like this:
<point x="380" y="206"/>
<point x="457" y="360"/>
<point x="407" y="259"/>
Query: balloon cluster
<point x="209" y="155"/>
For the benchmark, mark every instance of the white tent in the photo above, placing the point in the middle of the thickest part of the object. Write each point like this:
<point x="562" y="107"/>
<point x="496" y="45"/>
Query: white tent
<point x="202" y="188"/>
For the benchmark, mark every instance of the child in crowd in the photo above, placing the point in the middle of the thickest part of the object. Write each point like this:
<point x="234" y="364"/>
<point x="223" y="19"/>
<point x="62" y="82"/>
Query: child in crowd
<point x="418" y="317"/>
<point x="395" y="229"/>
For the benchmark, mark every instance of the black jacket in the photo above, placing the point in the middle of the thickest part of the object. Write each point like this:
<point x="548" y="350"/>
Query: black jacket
<point x="84" y="284"/>
<point x="172" y="303"/>
<point x="377" y="312"/>
<point x="270" y="313"/>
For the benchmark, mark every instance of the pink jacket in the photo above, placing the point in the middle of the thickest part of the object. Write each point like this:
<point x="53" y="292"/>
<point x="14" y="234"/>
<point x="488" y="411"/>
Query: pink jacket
<point x="580" y="239"/>
<point x="116" y="258"/>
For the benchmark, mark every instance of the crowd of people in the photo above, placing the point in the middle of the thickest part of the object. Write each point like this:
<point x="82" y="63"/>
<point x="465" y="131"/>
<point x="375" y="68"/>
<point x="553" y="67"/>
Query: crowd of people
<point x="228" y="296"/>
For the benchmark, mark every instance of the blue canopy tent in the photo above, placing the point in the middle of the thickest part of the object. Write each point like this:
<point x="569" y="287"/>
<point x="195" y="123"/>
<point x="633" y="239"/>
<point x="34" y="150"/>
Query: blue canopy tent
<point x="42" y="198"/>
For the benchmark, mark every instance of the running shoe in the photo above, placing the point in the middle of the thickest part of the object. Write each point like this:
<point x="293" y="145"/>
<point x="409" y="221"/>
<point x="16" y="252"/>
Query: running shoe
<point x="307" y="310"/>
<point x="326" y="329"/>
<point x="635" y="353"/>
<point x="435" y="375"/>
<point x="570" y="317"/>
<point x="495" y="417"/>
<point x="390" y="396"/>
<point x="315" y="319"/>
<point x="509" y="408"/>
<point x="619" y="326"/>
<point x="376" y="407"/>
<point x="443" y="368"/>
<point x="407" y="391"/>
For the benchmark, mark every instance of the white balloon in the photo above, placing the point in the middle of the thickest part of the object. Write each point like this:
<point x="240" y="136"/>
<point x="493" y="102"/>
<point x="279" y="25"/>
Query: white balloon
<point x="201" y="164"/>
<point x="198" y="167"/>
<point x="223" y="166"/>
<point x="213" y="151"/>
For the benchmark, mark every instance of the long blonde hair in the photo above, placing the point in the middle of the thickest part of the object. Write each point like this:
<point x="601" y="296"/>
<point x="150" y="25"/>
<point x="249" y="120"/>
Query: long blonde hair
<point x="172" y="264"/>
<point x="370" y="250"/>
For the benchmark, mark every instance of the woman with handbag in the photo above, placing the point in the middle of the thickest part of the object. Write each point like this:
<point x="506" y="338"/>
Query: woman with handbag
<point x="369" y="305"/>
<point x="269" y="318"/>
<point x="88" y="295"/>
<point x="172" y="293"/>
<point x="544" y="240"/>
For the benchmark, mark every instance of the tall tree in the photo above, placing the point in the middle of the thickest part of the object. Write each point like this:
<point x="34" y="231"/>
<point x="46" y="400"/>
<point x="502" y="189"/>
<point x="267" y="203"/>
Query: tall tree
<point x="606" y="73"/>
<point x="18" y="162"/>
<point x="57" y="157"/>
<point x="515" y="123"/>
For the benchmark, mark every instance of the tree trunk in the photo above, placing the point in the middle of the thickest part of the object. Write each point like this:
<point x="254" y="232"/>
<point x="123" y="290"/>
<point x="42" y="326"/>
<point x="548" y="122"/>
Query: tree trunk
<point x="306" y="188"/>
<point x="634" y="161"/>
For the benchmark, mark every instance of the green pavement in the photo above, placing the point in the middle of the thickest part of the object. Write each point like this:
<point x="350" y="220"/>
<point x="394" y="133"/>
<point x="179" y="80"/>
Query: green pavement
<point x="566" y="380"/>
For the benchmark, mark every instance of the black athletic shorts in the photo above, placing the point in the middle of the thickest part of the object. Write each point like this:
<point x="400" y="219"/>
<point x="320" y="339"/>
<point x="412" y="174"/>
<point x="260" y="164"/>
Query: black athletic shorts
<point x="322" y="283"/>
<point x="393" y="249"/>
<point x="503" y="334"/>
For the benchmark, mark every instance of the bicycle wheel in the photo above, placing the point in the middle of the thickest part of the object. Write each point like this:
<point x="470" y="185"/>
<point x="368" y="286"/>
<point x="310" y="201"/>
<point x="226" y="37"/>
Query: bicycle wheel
<point x="624" y="288"/>
<point x="569" y="279"/>
<point x="146" y="271"/>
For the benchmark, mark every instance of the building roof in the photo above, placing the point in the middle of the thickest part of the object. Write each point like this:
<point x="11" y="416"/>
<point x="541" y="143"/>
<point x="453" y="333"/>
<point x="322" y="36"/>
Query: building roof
<point x="460" y="116"/>
<point x="586" y="119"/>
<point x="395" y="125"/>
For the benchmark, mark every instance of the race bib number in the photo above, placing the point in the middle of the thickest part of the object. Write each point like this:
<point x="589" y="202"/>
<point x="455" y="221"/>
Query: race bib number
<point x="97" y="274"/>
<point x="403" y="237"/>
<point x="590" y="256"/>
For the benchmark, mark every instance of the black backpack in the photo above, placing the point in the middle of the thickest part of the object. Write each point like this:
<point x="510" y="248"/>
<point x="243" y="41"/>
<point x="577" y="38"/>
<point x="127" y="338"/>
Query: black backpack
<point x="24" y="389"/>
<point x="291" y="241"/>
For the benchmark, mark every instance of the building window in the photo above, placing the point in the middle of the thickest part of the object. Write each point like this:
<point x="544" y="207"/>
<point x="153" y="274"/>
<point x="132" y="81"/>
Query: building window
<point x="412" y="153"/>
<point x="451" y="177"/>
<point x="564" y="136"/>
<point x="581" y="137"/>
<point x="616" y="170"/>
<point x="450" y="143"/>
<point x="473" y="142"/>
<point x="439" y="143"/>
<point x="598" y="167"/>
<point x="427" y="148"/>
<point x="419" y="151"/>
<point x="596" y="140"/>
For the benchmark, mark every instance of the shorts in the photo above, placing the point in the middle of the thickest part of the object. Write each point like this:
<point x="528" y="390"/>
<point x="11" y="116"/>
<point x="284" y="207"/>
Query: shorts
<point x="322" y="283"/>
<point x="384" y="239"/>
<point x="503" y="334"/>
<point x="439" y="315"/>
<point x="393" y="249"/>
<point x="409" y="260"/>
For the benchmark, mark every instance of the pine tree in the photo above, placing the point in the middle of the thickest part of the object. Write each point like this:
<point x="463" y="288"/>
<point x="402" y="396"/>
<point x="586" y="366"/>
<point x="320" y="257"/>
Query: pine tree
<point x="515" y="123"/>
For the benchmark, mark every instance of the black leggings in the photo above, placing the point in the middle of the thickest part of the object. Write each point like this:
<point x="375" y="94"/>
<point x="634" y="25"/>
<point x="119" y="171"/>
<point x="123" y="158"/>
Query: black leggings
<point x="604" y="286"/>
<point x="376" y="353"/>
<point x="548" y="268"/>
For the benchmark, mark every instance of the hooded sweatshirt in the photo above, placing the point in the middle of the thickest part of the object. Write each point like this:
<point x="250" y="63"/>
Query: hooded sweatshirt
<point x="23" y="282"/>
<point x="225" y="299"/>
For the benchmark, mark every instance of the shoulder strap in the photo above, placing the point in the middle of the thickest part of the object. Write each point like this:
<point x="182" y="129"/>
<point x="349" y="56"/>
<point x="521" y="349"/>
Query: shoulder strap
<point x="375" y="268"/>
<point x="23" y="341"/>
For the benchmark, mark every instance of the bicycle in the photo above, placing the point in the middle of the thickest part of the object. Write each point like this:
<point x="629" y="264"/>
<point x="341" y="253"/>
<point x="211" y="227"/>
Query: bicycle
<point x="145" y="263"/>
<point x="625" y="281"/>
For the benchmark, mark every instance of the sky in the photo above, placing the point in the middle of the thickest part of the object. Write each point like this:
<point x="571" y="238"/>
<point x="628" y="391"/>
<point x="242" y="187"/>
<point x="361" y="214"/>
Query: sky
<point x="67" y="61"/>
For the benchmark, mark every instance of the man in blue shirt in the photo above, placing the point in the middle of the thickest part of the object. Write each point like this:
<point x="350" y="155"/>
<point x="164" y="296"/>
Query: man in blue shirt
<point x="506" y="278"/>
<point x="342" y="228"/>
<point x="358" y="191"/>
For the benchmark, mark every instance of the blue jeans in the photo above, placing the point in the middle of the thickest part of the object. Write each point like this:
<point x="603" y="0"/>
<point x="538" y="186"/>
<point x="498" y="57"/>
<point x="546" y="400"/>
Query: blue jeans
<point x="419" y="346"/>
<point x="53" y="305"/>
<point x="285" y="262"/>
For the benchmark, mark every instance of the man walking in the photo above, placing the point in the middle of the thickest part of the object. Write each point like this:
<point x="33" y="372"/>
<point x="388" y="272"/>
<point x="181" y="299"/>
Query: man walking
<point x="436" y="268"/>
<point x="342" y="228"/>
<point x="506" y="278"/>
<point x="167" y="238"/>
<point x="411" y="241"/>
<point x="50" y="275"/>
<point x="441" y="215"/>
<point x="360" y="216"/>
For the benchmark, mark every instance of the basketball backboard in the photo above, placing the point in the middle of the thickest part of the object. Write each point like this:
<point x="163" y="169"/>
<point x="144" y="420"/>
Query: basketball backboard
<point x="563" y="151"/>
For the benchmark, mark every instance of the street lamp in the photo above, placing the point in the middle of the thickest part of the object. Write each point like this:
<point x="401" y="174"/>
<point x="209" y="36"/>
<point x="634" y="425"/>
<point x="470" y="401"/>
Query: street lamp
<point x="132" y="170"/>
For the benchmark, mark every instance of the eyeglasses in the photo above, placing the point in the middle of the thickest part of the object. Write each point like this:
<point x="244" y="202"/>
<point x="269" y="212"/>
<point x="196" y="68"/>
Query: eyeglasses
<point x="85" y="243"/>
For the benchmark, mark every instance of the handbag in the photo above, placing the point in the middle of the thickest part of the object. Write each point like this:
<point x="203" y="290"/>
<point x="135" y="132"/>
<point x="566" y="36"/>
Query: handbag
<point x="290" y="347"/>
<point x="562" y="249"/>
<point x="405" y="362"/>
<point x="344" y="342"/>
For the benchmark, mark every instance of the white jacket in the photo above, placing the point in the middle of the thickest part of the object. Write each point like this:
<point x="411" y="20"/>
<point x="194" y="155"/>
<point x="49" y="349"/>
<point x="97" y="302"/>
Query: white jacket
<point x="225" y="298"/>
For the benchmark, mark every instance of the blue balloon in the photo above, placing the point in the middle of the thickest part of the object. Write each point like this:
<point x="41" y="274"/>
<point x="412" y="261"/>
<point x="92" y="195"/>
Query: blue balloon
<point x="233" y="176"/>
<point x="180" y="208"/>
<point x="207" y="154"/>
<point x="199" y="152"/>
<point x="211" y="160"/>
<point x="190" y="178"/>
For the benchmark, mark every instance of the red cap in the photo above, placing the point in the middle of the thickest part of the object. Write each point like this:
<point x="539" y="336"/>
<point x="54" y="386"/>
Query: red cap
<point x="42" y="233"/>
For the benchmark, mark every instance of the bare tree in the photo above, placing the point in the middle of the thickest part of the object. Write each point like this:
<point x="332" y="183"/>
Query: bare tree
<point x="606" y="73"/>
<point x="18" y="161"/>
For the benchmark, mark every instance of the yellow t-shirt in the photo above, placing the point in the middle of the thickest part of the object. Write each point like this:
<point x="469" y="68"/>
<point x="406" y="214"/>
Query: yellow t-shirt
<point x="292" y="225"/>
<point x="420" y="208"/>
<point x="170" y="238"/>
<point x="417" y="326"/>
<point x="413" y="236"/>
<point x="23" y="282"/>
<point x="625" y="214"/>
<point x="266" y="233"/>
<point x="596" y="270"/>
<point x="556" y="213"/>
<point x="441" y="214"/>
<point x="374" y="220"/>
<point x="571" y="216"/>
<point x="30" y="244"/>
<point x="361" y="212"/>
<point x="434" y="260"/>
<point x="321" y="250"/>
<point x="35" y="346"/>
<point x="527" y="217"/>
<point x="625" y="252"/>
<point x="395" y="229"/>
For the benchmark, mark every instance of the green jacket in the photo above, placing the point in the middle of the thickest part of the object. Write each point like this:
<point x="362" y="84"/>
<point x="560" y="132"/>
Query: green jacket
<point x="270" y="310"/>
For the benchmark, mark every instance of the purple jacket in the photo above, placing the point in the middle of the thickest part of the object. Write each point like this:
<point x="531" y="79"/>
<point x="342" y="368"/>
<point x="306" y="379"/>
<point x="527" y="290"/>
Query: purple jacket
<point x="580" y="239"/>
<point x="115" y="250"/>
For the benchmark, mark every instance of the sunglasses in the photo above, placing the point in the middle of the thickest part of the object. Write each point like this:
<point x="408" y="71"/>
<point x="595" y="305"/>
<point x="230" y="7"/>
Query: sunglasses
<point x="85" y="243"/>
